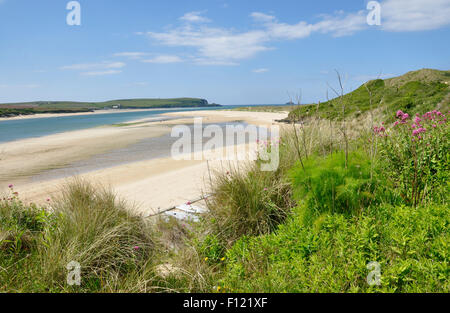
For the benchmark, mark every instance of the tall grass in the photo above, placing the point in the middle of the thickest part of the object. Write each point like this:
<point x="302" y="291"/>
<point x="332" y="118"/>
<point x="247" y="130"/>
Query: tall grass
<point x="88" y="225"/>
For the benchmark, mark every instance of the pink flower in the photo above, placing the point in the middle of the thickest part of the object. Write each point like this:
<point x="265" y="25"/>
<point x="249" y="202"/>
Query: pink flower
<point x="48" y="199"/>
<point x="418" y="131"/>
<point x="434" y="125"/>
<point x="396" y="123"/>
<point x="136" y="248"/>
<point x="265" y="189"/>
<point x="11" y="185"/>
<point x="188" y="203"/>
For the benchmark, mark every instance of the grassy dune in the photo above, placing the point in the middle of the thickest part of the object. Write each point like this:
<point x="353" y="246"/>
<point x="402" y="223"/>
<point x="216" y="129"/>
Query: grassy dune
<point x="415" y="92"/>
<point x="357" y="205"/>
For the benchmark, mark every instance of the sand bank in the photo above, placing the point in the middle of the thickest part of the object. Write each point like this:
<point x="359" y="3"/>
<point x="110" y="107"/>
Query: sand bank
<point x="150" y="184"/>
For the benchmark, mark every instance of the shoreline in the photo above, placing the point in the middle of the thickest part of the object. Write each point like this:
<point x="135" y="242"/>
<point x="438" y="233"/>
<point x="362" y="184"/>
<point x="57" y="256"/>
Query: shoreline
<point x="150" y="184"/>
<point x="95" y="112"/>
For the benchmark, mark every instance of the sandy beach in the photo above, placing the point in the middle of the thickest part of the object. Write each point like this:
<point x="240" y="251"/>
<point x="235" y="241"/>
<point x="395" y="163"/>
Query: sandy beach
<point x="148" y="185"/>
<point x="96" y="112"/>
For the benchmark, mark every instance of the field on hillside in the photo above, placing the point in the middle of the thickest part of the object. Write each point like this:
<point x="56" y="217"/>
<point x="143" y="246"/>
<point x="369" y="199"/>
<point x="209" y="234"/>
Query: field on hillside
<point x="26" y="108"/>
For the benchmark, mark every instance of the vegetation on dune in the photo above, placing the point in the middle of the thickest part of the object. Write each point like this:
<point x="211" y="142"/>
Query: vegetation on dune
<point x="87" y="225"/>
<point x="415" y="92"/>
<point x="352" y="199"/>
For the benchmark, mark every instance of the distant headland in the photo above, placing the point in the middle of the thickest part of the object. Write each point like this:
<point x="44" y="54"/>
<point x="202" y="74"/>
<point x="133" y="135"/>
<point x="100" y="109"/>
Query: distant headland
<point x="39" y="107"/>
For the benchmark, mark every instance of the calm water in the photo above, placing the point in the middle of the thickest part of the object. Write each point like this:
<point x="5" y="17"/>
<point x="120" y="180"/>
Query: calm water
<point x="37" y="127"/>
<point x="147" y="149"/>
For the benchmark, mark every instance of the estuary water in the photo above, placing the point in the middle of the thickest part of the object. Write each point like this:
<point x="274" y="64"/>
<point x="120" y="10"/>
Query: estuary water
<point x="11" y="130"/>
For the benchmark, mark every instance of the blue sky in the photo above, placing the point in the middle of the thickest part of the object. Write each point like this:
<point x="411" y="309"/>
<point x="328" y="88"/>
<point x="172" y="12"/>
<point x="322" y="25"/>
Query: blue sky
<point x="229" y="52"/>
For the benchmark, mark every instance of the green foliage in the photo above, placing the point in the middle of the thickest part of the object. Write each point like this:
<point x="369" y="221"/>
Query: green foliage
<point x="247" y="202"/>
<point x="415" y="157"/>
<point x="211" y="248"/>
<point x="325" y="185"/>
<point x="411" y="246"/>
<point x="418" y="91"/>
<point x="87" y="225"/>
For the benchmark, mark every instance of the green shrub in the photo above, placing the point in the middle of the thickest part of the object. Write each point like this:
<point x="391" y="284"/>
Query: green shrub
<point x="247" y="202"/>
<point x="325" y="185"/>
<point x="332" y="255"/>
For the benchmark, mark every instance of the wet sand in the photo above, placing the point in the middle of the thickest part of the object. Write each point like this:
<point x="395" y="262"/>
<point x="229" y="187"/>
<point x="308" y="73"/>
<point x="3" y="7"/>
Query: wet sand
<point x="149" y="184"/>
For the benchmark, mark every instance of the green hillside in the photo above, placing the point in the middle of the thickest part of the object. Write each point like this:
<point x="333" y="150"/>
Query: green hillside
<point x="11" y="109"/>
<point x="416" y="91"/>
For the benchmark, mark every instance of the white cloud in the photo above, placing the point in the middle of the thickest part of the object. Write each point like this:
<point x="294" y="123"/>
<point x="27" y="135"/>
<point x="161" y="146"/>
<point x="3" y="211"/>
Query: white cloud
<point x="163" y="59"/>
<point x="101" y="73"/>
<point x="260" y="70"/>
<point x="88" y="66"/>
<point x="131" y="55"/>
<point x="222" y="46"/>
<point x="194" y="17"/>
<point x="258" y="16"/>
<point x="414" y="15"/>
<point x="219" y="46"/>
<point x="214" y="45"/>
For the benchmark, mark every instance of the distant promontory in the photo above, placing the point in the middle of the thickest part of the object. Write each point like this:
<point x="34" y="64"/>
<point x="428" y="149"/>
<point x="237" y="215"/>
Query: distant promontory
<point x="36" y="107"/>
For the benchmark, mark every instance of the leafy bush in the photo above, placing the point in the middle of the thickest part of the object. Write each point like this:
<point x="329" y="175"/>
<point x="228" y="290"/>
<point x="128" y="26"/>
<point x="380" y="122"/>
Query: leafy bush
<point x="325" y="185"/>
<point x="411" y="247"/>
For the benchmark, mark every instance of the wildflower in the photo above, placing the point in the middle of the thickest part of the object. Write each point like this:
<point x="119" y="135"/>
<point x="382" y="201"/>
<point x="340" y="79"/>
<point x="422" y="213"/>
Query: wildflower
<point x="48" y="199"/>
<point x="218" y="288"/>
<point x="136" y="248"/>
<point x="434" y="125"/>
<point x="265" y="189"/>
<point x="417" y="120"/>
<point x="418" y="131"/>
<point x="206" y="259"/>
<point x="11" y="185"/>
<point x="188" y="203"/>
<point x="222" y="259"/>
<point x="396" y="123"/>
<point x="16" y="193"/>
<point x="413" y="126"/>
